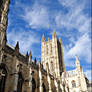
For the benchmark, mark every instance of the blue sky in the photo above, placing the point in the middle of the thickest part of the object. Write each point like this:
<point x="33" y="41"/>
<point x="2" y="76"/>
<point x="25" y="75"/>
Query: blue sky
<point x="28" y="20"/>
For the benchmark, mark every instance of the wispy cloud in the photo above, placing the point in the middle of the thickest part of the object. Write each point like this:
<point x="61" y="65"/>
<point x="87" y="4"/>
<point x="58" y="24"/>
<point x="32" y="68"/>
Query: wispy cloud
<point x="79" y="23"/>
<point x="74" y="18"/>
<point x="81" y="47"/>
<point x="37" y="17"/>
<point x="25" y="38"/>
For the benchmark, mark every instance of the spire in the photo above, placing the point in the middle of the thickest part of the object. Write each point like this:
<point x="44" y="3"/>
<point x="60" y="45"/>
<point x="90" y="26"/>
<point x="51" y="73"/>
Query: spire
<point x="30" y="58"/>
<point x="17" y="47"/>
<point x="43" y="38"/>
<point x="78" y="63"/>
<point x="60" y="40"/>
<point x="27" y="56"/>
<point x="54" y="34"/>
<point x="77" y="60"/>
<point x="30" y="55"/>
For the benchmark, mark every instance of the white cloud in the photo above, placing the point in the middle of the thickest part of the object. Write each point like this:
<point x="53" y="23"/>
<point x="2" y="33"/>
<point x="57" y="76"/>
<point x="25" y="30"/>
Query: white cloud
<point x="37" y="16"/>
<point x="88" y="74"/>
<point x="70" y="3"/>
<point x="82" y="48"/>
<point x="26" y="39"/>
<point x="75" y="17"/>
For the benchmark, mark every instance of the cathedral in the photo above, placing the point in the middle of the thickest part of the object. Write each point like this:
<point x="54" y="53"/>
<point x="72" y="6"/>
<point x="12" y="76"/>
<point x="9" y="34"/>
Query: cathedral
<point x="19" y="73"/>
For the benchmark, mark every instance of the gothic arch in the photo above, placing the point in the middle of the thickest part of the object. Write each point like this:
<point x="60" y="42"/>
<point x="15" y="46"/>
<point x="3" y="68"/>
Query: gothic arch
<point x="3" y="76"/>
<point x="33" y="85"/>
<point x="20" y="82"/>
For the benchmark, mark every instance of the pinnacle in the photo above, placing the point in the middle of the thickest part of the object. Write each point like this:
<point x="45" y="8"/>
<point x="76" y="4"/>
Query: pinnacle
<point x="39" y="61"/>
<point x="17" y="45"/>
<point x="77" y="60"/>
<point x="54" y="33"/>
<point x="60" y="40"/>
<point x="27" y="54"/>
<point x="43" y="38"/>
<point x="30" y="54"/>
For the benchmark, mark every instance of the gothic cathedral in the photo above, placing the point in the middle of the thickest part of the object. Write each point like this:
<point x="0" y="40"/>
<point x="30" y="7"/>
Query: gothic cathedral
<point x="18" y="73"/>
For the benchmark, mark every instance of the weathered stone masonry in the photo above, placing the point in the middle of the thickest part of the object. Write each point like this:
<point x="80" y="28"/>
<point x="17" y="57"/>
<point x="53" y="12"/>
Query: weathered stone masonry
<point x="18" y="73"/>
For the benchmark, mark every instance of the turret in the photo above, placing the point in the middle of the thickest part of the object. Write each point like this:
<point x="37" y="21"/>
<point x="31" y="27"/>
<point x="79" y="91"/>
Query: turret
<point x="43" y="38"/>
<point x="30" y="58"/>
<point x="16" y="48"/>
<point x="54" y="34"/>
<point x="78" y="63"/>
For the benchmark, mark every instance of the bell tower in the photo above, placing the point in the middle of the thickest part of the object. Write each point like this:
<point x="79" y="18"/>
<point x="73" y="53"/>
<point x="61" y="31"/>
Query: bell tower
<point x="52" y="54"/>
<point x="4" y="8"/>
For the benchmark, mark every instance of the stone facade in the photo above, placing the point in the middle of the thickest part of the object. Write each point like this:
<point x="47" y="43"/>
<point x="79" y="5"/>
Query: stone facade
<point x="52" y="53"/>
<point x="18" y="73"/>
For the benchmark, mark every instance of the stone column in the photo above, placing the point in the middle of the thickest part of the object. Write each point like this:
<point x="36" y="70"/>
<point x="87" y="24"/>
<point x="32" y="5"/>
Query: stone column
<point x="15" y="82"/>
<point x="15" y="72"/>
<point x="40" y="78"/>
<point x="66" y="89"/>
<point x="56" y="84"/>
<point x="30" y="79"/>
<point x="62" y="88"/>
<point x="48" y="79"/>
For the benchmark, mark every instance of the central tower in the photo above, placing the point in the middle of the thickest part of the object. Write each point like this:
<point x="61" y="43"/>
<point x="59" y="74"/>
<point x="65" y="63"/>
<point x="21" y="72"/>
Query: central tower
<point x="52" y="54"/>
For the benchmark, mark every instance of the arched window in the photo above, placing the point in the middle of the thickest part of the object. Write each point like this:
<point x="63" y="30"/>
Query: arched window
<point x="3" y="74"/>
<point x="44" y="88"/>
<point x="20" y="83"/>
<point x="73" y="84"/>
<point x="52" y="67"/>
<point x="33" y="85"/>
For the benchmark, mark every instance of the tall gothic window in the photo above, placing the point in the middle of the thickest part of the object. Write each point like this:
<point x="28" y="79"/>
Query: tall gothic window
<point x="33" y="85"/>
<point x="73" y="84"/>
<point x="20" y="83"/>
<point x="3" y="75"/>
<point x="52" y="67"/>
<point x="44" y="88"/>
